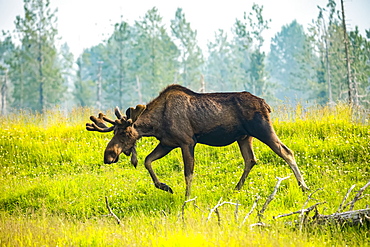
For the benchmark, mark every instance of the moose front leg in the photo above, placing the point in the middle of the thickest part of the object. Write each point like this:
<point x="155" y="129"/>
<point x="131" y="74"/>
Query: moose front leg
<point x="188" y="158"/>
<point x="159" y="152"/>
<point x="245" y="145"/>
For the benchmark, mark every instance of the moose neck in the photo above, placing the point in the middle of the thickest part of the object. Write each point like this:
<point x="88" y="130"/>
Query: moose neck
<point x="147" y="123"/>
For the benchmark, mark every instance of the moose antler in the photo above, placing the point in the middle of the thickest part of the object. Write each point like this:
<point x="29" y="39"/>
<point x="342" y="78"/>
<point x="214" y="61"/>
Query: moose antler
<point x="122" y="120"/>
<point x="118" y="113"/>
<point x="99" y="125"/>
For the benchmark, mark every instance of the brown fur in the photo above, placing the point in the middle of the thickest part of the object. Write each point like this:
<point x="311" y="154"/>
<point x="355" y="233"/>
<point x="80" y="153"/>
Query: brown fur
<point x="179" y="117"/>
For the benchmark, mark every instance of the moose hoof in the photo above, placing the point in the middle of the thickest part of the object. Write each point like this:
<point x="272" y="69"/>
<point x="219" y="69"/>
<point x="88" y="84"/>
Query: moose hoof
<point x="304" y="187"/>
<point x="164" y="187"/>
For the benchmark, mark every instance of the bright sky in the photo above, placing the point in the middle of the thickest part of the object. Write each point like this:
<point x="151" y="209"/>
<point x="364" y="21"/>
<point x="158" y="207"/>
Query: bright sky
<point x="84" y="23"/>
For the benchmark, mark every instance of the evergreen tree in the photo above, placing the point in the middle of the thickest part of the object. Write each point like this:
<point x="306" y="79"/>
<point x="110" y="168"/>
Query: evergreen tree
<point x="66" y="62"/>
<point x="6" y="53"/>
<point x="249" y="31"/>
<point x="93" y="70"/>
<point x="218" y="69"/>
<point x="39" y="82"/>
<point x="118" y="59"/>
<point x="326" y="35"/>
<point x="286" y="66"/>
<point x="191" y="54"/>
<point x="360" y="64"/>
<point x="156" y="54"/>
<point x="83" y="92"/>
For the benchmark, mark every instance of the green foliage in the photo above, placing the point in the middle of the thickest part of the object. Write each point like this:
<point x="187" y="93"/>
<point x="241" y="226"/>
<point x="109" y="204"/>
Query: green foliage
<point x="83" y="93"/>
<point x="287" y="64"/>
<point x="35" y="71"/>
<point x="157" y="62"/>
<point x="227" y="64"/>
<point x="137" y="60"/>
<point x="219" y="62"/>
<point x="118" y="60"/>
<point x="326" y="37"/>
<point x="360" y="50"/>
<point x="191" y="54"/>
<point x="53" y="184"/>
<point x="252" y="40"/>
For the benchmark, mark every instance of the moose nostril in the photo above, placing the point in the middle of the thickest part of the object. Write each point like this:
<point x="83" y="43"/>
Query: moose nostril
<point x="110" y="159"/>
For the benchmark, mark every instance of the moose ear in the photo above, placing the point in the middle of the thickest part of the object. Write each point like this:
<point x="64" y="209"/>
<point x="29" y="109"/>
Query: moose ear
<point x="134" y="114"/>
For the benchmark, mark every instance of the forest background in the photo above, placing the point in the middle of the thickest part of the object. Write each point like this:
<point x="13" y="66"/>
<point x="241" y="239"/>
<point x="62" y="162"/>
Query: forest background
<point x="52" y="178"/>
<point x="135" y="61"/>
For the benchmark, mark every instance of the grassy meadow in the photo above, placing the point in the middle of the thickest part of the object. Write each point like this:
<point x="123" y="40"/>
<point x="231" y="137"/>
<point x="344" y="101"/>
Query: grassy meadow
<point x="53" y="183"/>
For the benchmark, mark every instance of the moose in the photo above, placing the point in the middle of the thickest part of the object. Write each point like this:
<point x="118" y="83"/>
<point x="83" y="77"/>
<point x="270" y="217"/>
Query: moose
<point x="179" y="117"/>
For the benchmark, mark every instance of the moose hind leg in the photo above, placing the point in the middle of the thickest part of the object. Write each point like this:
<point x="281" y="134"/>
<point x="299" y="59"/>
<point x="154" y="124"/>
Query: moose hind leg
<point x="159" y="152"/>
<point x="283" y="151"/>
<point x="261" y="128"/>
<point x="246" y="148"/>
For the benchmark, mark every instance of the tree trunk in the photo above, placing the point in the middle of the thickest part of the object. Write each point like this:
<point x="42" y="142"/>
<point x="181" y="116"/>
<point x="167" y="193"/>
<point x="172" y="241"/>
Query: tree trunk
<point x="98" y="86"/>
<point x="352" y="87"/>
<point x="4" y="88"/>
<point x="41" y="80"/>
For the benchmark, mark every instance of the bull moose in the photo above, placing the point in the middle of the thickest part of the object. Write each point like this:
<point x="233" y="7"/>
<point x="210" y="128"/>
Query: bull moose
<point x="179" y="117"/>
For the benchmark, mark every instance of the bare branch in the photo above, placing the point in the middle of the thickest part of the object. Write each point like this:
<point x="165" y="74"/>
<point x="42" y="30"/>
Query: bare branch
<point x="356" y="217"/>
<point x="111" y="212"/>
<point x="215" y="209"/>
<point x="271" y="197"/>
<point x="251" y="211"/>
<point x="310" y="197"/>
<point x="358" y="196"/>
<point x="345" y="198"/>
<point x="306" y="210"/>
<point x="218" y="216"/>
<point x="258" y="224"/>
<point x="302" y="216"/>
<point x="183" y="207"/>
<point x="236" y="216"/>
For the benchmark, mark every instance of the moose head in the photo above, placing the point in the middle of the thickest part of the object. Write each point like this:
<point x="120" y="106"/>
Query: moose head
<point x="125" y="134"/>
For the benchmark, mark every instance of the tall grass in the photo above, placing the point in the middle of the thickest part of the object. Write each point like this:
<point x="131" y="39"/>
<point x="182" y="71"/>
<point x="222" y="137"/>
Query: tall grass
<point x="53" y="183"/>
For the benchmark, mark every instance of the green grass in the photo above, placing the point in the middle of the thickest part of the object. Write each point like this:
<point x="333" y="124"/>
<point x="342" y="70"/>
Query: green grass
<point x="53" y="183"/>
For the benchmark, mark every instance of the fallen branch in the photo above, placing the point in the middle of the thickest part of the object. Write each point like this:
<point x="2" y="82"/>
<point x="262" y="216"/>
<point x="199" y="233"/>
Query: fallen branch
<point x="215" y="209"/>
<point x="356" y="217"/>
<point x="261" y="224"/>
<point x="345" y="198"/>
<point x="272" y="196"/>
<point x="111" y="212"/>
<point x="351" y="217"/>
<point x="310" y="197"/>
<point x="251" y="211"/>
<point x="305" y="210"/>
<point x="236" y="213"/>
<point x="357" y="196"/>
<point x="183" y="207"/>
<point x="304" y="213"/>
